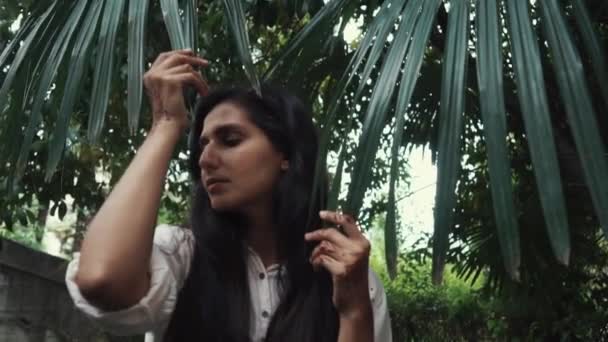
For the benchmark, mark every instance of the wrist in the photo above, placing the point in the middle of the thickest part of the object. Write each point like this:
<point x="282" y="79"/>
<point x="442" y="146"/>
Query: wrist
<point x="168" y="126"/>
<point x="358" y="313"/>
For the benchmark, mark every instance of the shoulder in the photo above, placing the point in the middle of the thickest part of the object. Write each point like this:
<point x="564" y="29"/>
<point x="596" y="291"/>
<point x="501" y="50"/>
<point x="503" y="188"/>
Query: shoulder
<point x="382" y="321"/>
<point x="170" y="238"/>
<point x="376" y="288"/>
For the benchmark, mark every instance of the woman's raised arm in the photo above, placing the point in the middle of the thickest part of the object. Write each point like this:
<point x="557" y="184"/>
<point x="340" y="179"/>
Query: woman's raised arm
<point x="114" y="260"/>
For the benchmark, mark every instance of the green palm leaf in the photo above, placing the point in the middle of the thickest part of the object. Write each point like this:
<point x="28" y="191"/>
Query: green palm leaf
<point x="173" y="22"/>
<point x="450" y="130"/>
<point x="581" y="115"/>
<point x="12" y="128"/>
<point x="415" y="28"/>
<point x="191" y="24"/>
<point x="26" y="27"/>
<point x="138" y="14"/>
<point x="21" y="54"/>
<point x="53" y="62"/>
<point x="78" y="62"/>
<point x="233" y="11"/>
<point x="369" y="41"/>
<point x="593" y="46"/>
<point x="330" y="10"/>
<point x="334" y="192"/>
<point x="491" y="97"/>
<point x="535" y="110"/>
<point x="103" y="69"/>
<point x="385" y="26"/>
<point x="391" y="246"/>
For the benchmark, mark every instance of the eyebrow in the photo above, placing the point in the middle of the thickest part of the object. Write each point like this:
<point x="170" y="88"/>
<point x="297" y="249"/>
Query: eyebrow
<point x="221" y="129"/>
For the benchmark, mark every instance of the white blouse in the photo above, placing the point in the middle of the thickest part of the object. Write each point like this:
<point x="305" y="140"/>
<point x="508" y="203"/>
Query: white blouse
<point x="172" y="251"/>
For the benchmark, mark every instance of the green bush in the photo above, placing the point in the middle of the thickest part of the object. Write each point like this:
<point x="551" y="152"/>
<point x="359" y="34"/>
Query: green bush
<point x="459" y="311"/>
<point x="421" y="311"/>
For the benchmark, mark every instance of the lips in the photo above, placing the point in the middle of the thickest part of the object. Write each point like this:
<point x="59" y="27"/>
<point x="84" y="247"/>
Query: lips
<point x="214" y="180"/>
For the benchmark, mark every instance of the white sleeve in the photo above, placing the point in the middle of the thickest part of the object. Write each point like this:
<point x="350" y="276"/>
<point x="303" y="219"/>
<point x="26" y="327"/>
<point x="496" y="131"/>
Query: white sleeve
<point x="172" y="251"/>
<point x="382" y="320"/>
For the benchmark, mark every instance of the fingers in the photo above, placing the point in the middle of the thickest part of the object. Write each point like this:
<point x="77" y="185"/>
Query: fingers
<point x="165" y="55"/>
<point x="183" y="72"/>
<point x="177" y="62"/>
<point x="179" y="59"/>
<point x="192" y="78"/>
<point x="332" y="265"/>
<point x="345" y="221"/>
<point x="330" y="234"/>
<point x="325" y="247"/>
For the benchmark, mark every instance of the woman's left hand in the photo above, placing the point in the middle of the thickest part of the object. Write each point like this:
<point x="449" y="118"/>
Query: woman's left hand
<point x="346" y="257"/>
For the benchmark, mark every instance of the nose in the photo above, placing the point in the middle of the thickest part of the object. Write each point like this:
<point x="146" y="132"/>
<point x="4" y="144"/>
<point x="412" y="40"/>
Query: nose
<point x="209" y="159"/>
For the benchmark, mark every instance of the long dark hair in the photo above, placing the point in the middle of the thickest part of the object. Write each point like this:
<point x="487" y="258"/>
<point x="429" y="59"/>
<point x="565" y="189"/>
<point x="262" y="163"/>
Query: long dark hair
<point x="214" y="303"/>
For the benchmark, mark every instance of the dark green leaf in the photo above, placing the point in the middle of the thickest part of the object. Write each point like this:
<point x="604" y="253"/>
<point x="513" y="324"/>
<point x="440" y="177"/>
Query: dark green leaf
<point x="491" y="96"/>
<point x="535" y="110"/>
<point x="593" y="46"/>
<point x="45" y="18"/>
<point x="25" y="28"/>
<point x="191" y="24"/>
<point x="72" y="89"/>
<point x="451" y="113"/>
<point x="53" y="61"/>
<point x="581" y="114"/>
<point x="334" y="193"/>
<point x="233" y="11"/>
<point x="350" y="71"/>
<point x="386" y="17"/>
<point x="103" y="69"/>
<point x="384" y="88"/>
<point x="173" y="22"/>
<point x="330" y="10"/>
<point x="138" y="14"/>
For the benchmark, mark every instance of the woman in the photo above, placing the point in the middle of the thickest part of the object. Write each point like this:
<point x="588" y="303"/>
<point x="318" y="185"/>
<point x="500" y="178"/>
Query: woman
<point x="252" y="267"/>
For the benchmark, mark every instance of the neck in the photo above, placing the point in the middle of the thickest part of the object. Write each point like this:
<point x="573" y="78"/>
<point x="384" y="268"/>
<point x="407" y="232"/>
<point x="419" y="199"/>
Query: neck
<point x="261" y="237"/>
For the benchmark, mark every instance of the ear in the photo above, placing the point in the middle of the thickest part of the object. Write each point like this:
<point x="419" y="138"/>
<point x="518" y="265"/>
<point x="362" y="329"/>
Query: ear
<point x="284" y="165"/>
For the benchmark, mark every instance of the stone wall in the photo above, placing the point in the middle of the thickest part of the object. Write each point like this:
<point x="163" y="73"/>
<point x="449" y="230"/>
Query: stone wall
<point x="34" y="303"/>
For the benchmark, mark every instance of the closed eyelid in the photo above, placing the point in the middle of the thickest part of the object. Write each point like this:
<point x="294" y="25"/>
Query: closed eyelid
<point x="223" y="131"/>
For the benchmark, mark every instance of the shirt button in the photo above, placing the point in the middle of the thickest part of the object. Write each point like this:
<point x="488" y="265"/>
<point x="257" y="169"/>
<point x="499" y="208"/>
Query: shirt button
<point x="262" y="276"/>
<point x="265" y="314"/>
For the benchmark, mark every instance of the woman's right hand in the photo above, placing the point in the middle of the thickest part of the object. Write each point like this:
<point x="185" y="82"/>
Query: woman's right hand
<point x="165" y="82"/>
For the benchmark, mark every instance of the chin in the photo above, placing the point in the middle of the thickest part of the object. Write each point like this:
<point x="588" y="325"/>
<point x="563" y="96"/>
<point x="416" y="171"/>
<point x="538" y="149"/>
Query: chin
<point x="223" y="204"/>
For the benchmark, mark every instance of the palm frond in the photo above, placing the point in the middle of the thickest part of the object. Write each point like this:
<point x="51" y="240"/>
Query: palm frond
<point x="386" y="19"/>
<point x="174" y="25"/>
<point x="450" y="130"/>
<point x="103" y="69"/>
<point x="79" y="61"/>
<point x="535" y="110"/>
<point x="581" y="114"/>
<point x="138" y="14"/>
<point x="593" y="46"/>
<point x="191" y="24"/>
<point x="233" y="11"/>
<point x="336" y="182"/>
<point x="491" y="97"/>
<point x="327" y="12"/>
<point x="414" y="30"/>
<point x="13" y="122"/>
<point x="368" y="42"/>
<point x="53" y="62"/>
<point x="21" y="54"/>
<point x="26" y="27"/>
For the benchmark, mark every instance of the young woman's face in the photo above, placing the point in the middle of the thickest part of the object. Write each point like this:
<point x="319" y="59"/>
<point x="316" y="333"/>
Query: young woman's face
<point x="239" y="165"/>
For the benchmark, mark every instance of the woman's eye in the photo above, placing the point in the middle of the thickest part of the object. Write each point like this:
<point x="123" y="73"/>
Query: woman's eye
<point x="232" y="140"/>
